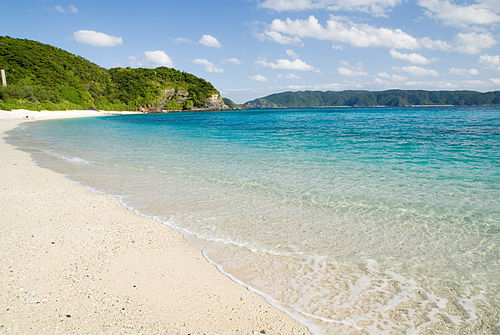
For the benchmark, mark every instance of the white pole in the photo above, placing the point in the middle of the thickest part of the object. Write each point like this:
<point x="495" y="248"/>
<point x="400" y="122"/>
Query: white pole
<point x="4" y="80"/>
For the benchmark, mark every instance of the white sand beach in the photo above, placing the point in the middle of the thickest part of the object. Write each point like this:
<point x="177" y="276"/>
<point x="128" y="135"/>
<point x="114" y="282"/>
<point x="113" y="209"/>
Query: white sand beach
<point x="77" y="262"/>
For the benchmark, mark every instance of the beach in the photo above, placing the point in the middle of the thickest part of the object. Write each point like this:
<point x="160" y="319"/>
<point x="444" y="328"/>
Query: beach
<point x="78" y="262"/>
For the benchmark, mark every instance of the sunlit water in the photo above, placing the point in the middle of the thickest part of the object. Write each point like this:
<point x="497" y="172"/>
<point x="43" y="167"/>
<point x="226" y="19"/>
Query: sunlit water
<point x="352" y="220"/>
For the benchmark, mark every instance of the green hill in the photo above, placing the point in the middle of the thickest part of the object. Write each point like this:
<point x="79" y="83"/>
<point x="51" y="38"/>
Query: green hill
<point x="40" y="76"/>
<point x="392" y="98"/>
<point x="231" y="104"/>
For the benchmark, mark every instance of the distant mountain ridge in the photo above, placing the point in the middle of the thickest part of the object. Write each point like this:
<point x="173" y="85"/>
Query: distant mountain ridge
<point x="41" y="76"/>
<point x="389" y="98"/>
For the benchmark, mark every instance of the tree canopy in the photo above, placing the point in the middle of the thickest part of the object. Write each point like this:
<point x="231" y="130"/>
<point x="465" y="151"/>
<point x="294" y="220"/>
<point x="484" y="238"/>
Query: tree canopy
<point x="391" y="98"/>
<point x="41" y="76"/>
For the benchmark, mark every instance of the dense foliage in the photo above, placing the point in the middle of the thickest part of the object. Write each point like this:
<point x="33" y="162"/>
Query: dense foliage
<point x="40" y="76"/>
<point x="393" y="98"/>
<point x="231" y="104"/>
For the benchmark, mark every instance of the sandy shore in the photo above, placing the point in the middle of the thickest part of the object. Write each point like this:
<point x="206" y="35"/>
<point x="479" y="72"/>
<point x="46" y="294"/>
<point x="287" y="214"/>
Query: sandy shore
<point x="76" y="262"/>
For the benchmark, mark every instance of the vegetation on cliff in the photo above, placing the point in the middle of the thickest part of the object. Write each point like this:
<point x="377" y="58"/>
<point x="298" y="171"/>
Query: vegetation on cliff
<point x="40" y="76"/>
<point x="392" y="98"/>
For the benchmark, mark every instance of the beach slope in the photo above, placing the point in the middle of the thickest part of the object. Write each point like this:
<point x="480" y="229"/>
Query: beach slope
<point x="74" y="261"/>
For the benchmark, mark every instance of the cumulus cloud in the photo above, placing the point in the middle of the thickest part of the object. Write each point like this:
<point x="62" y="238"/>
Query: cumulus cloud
<point x="158" y="58"/>
<point x="71" y="9"/>
<point x="490" y="61"/>
<point x="279" y="38"/>
<point x="258" y="77"/>
<point x="374" y="7"/>
<point x="351" y="71"/>
<point x="235" y="61"/>
<point x="435" y="44"/>
<point x="416" y="70"/>
<point x="209" y="41"/>
<point x="96" y="39"/>
<point x="393" y="77"/>
<point x="473" y="43"/>
<point x="343" y="31"/>
<point x="464" y="72"/>
<point x="209" y="66"/>
<point x="285" y="64"/>
<point x="479" y="13"/>
<point x="385" y="78"/>
<point x="495" y="81"/>
<point x="409" y="57"/>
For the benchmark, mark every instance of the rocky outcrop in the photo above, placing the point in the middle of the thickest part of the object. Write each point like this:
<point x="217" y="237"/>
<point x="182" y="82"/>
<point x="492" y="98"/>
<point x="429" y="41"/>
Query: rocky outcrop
<point x="215" y="102"/>
<point x="176" y="100"/>
<point x="171" y="95"/>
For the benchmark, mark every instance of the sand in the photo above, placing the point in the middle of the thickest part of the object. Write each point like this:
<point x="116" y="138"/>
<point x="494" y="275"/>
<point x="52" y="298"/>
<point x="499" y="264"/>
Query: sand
<point x="77" y="262"/>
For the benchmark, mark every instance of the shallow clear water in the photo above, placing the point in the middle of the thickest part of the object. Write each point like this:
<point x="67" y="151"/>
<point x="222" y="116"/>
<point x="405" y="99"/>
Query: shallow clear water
<point x="352" y="220"/>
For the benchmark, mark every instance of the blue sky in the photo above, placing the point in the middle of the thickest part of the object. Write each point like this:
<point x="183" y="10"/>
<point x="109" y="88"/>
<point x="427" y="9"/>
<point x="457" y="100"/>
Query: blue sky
<point x="252" y="48"/>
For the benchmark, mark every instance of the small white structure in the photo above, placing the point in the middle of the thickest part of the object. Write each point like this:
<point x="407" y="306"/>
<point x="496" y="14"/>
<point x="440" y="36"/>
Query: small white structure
<point x="4" y="80"/>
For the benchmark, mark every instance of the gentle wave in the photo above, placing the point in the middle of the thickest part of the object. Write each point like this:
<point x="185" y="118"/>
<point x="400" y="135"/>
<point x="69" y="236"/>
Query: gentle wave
<point x="78" y="160"/>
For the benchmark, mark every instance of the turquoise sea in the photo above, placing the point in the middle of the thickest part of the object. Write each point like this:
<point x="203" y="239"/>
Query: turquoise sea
<point x="352" y="220"/>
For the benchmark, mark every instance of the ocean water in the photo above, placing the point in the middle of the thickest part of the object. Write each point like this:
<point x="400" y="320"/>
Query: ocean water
<point x="352" y="220"/>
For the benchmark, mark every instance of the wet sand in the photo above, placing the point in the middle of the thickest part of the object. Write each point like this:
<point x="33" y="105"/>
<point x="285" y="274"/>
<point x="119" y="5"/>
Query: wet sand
<point x="77" y="262"/>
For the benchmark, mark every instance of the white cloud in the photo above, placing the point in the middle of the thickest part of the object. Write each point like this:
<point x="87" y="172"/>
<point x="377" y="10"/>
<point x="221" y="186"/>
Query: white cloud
<point x="449" y="85"/>
<point x="464" y="72"/>
<point x="495" y="81"/>
<point x="279" y="38"/>
<point x="385" y="77"/>
<point x="292" y="76"/>
<point x="473" y="43"/>
<point x="351" y="71"/>
<point x="292" y="53"/>
<point x="374" y="7"/>
<point x="209" y="66"/>
<point x="96" y="39"/>
<point x="490" y="61"/>
<point x="235" y="61"/>
<point x="411" y="57"/>
<point x="209" y="41"/>
<point x="435" y="44"/>
<point x="479" y="13"/>
<point x="71" y="9"/>
<point x="179" y="40"/>
<point x="285" y="64"/>
<point x="284" y="5"/>
<point x="416" y="70"/>
<point x="158" y="58"/>
<point x="322" y="87"/>
<point x="258" y="77"/>
<point x="343" y="31"/>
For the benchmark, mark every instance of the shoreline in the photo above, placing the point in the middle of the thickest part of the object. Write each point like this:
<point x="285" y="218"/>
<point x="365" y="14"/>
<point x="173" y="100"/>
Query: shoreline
<point x="76" y="261"/>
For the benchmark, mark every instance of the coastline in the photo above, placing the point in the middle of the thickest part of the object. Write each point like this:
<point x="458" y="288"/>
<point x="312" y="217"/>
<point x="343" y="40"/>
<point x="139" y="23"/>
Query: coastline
<point x="75" y="261"/>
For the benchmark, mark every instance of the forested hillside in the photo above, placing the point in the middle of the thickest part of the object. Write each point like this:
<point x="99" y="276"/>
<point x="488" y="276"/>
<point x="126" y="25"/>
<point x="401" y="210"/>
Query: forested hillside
<point x="40" y="76"/>
<point x="393" y="98"/>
